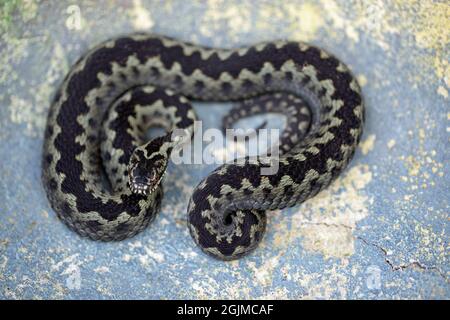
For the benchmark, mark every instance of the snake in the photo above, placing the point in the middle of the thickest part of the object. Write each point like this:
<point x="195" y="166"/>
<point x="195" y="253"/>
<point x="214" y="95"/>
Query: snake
<point x="98" y="118"/>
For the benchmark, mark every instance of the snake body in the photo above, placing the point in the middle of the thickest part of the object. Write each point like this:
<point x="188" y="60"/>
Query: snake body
<point x="226" y="213"/>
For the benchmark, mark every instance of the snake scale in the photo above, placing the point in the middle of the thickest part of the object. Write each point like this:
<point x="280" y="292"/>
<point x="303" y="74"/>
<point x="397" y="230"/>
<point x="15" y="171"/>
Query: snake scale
<point x="115" y="92"/>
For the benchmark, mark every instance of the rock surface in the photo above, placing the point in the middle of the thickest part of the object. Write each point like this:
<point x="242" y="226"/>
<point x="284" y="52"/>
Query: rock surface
<point x="380" y="231"/>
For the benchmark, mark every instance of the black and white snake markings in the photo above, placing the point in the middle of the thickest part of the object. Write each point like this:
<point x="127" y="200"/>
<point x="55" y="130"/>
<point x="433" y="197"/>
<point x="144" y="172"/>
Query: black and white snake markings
<point x="120" y="88"/>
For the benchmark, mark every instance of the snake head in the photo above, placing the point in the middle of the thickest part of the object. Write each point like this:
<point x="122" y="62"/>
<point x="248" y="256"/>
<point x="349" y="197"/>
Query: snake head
<point x="146" y="167"/>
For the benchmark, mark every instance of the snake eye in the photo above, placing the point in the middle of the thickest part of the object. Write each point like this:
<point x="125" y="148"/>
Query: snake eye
<point x="152" y="176"/>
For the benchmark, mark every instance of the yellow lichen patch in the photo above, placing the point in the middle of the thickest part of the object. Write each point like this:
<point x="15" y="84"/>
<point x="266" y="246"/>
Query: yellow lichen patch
<point x="263" y="274"/>
<point x="141" y="18"/>
<point x="371" y="18"/>
<point x="429" y="238"/>
<point x="413" y="165"/>
<point x="421" y="165"/>
<point x="33" y="113"/>
<point x="432" y="29"/>
<point x="442" y="91"/>
<point x="428" y="23"/>
<point x="362" y="80"/>
<point x="306" y="19"/>
<point x="267" y="14"/>
<point x="223" y="15"/>
<point x="206" y="288"/>
<point x="326" y="222"/>
<point x="22" y="111"/>
<point x="328" y="284"/>
<point x="367" y="145"/>
<point x="391" y="143"/>
<point x="340" y="21"/>
<point x="26" y="9"/>
<point x="330" y="240"/>
<point x="442" y="69"/>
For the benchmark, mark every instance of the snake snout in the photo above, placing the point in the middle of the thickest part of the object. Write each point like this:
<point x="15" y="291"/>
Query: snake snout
<point x="144" y="180"/>
<point x="140" y="180"/>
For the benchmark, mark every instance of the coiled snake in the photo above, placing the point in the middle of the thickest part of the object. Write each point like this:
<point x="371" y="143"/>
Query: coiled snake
<point x="144" y="79"/>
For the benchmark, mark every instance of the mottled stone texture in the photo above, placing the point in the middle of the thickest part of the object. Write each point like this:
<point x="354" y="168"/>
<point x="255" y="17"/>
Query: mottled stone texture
<point x="380" y="231"/>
